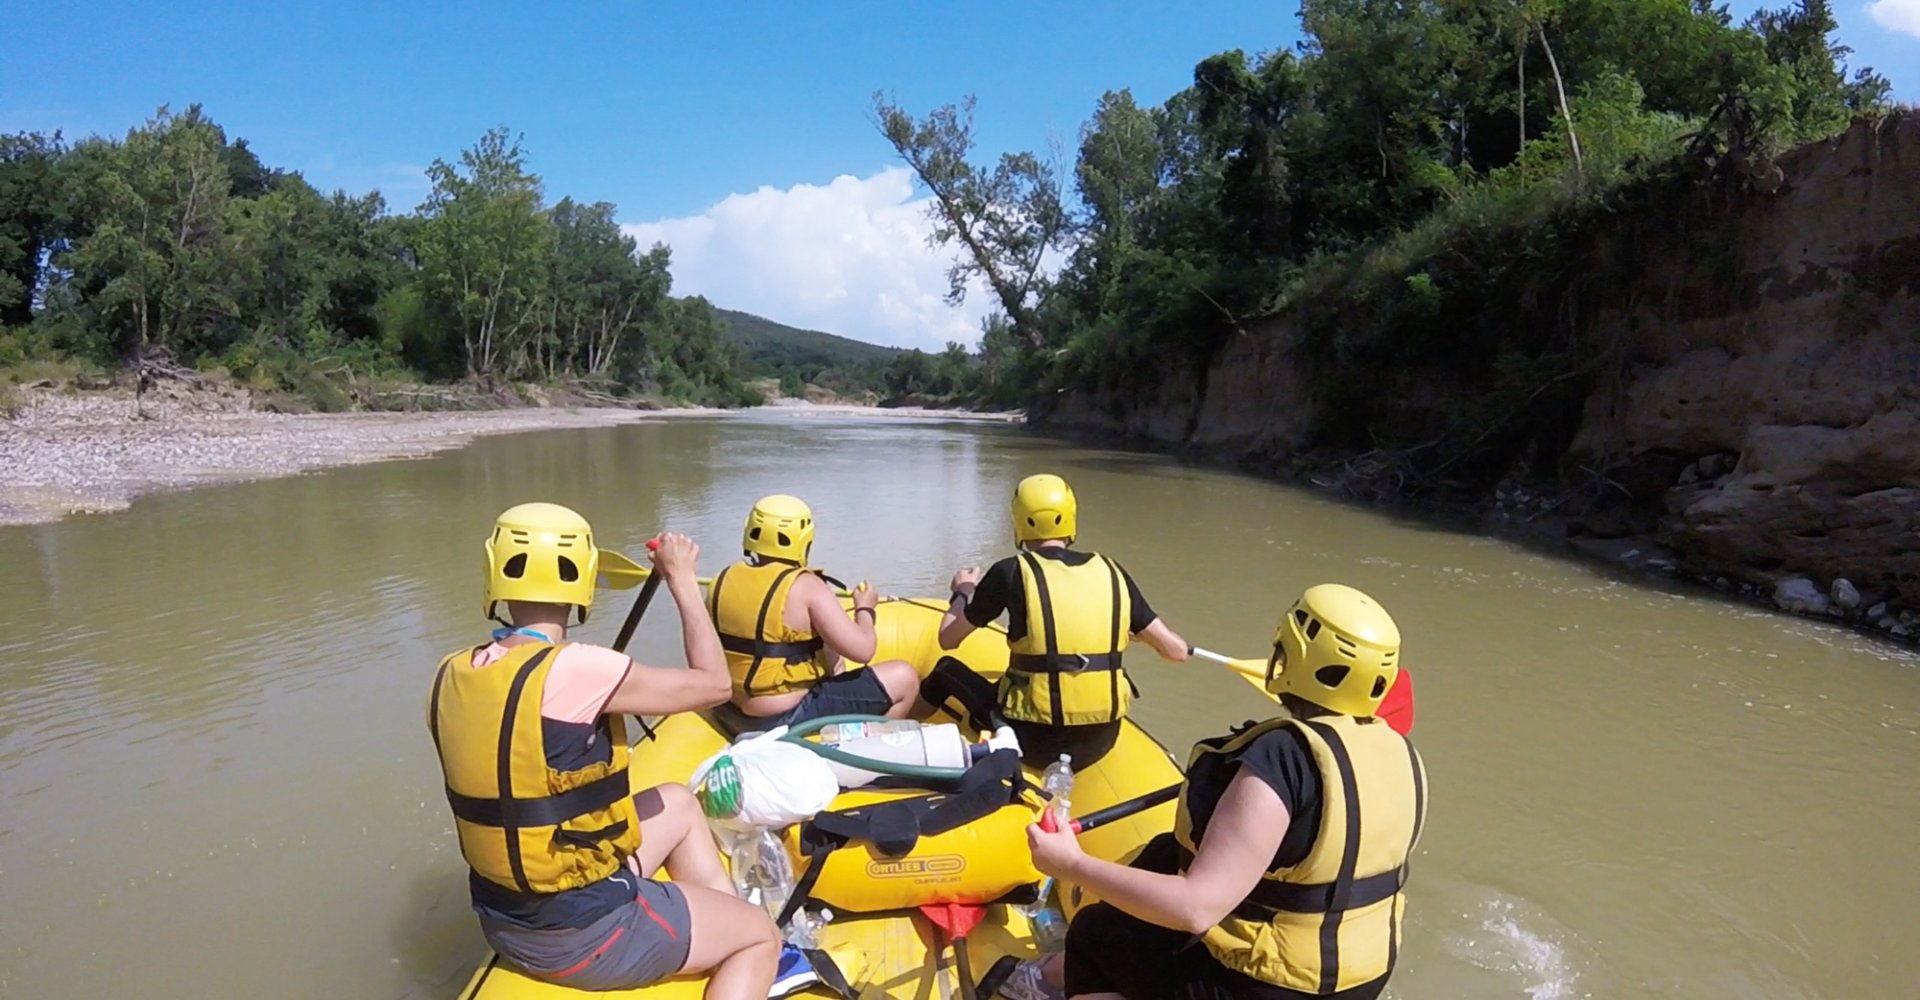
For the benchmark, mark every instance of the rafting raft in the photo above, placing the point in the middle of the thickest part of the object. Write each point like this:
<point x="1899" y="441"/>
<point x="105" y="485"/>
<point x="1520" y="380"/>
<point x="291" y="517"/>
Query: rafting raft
<point x="899" y="953"/>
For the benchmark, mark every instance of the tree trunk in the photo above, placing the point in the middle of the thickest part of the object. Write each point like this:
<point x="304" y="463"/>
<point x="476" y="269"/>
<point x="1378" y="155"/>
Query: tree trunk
<point x="1521" y="65"/>
<point x="1560" y="87"/>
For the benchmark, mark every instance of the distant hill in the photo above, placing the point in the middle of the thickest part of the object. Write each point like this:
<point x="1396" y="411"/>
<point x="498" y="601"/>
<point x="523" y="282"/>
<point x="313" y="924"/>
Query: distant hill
<point x="770" y="350"/>
<point x="796" y="358"/>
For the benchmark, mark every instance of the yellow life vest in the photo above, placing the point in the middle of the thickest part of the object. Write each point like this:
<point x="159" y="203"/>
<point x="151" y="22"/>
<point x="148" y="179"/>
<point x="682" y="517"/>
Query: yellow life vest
<point x="748" y="601"/>
<point x="1332" y="921"/>
<point x="1065" y="671"/>
<point x="522" y="824"/>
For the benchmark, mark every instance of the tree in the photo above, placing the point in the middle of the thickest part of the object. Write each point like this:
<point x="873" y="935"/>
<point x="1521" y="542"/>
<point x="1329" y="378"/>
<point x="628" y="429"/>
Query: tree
<point x="1006" y="219"/>
<point x="154" y="261"/>
<point x="599" y="291"/>
<point x="32" y="213"/>
<point x="482" y="246"/>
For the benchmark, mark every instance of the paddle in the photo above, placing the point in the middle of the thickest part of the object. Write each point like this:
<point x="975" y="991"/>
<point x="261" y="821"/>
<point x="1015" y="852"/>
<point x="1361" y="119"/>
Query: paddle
<point x="1396" y="710"/>
<point x="958" y="920"/>
<point x="1120" y="810"/>
<point x="646" y="591"/>
<point x="625" y="573"/>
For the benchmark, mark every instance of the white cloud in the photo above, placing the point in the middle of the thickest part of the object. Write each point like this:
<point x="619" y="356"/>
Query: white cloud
<point x="850" y="257"/>
<point x="1897" y="15"/>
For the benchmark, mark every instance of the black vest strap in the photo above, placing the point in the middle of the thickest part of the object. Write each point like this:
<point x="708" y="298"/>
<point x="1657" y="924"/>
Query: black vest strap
<point x="1270" y="897"/>
<point x="1062" y="663"/>
<point x="551" y="810"/>
<point x="789" y="651"/>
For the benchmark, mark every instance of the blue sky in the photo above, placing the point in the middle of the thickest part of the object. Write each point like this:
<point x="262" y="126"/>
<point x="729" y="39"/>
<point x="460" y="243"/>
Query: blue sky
<point x="738" y="134"/>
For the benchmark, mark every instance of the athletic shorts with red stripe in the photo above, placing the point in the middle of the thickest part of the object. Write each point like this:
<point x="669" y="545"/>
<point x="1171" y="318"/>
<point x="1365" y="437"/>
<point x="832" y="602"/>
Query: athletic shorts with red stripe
<point x="633" y="946"/>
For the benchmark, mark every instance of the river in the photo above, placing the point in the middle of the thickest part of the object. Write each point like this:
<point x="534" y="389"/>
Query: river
<point x="215" y="778"/>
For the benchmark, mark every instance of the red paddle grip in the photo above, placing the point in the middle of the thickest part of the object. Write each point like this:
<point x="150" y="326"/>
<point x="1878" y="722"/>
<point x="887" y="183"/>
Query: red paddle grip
<point x="1051" y="825"/>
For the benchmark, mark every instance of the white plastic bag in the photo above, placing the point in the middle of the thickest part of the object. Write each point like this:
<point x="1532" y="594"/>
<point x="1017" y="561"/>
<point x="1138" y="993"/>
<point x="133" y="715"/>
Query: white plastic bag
<point x="780" y="783"/>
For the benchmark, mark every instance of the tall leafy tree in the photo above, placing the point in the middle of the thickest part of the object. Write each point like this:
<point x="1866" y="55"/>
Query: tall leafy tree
<point x="1006" y="218"/>
<point x="32" y="214"/>
<point x="482" y="246"/>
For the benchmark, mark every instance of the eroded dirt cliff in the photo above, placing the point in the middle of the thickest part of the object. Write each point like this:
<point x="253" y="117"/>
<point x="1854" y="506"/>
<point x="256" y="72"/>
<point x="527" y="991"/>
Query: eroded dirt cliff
<point x="1753" y="402"/>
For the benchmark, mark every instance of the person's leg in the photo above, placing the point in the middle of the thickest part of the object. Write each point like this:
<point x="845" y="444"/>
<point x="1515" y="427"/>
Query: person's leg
<point x="1111" y="953"/>
<point x="954" y="686"/>
<point x="733" y="941"/>
<point x="673" y="833"/>
<point x="902" y="683"/>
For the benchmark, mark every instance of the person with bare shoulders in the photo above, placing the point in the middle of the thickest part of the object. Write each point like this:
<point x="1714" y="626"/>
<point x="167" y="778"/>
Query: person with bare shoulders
<point x="788" y="640"/>
<point x="533" y="746"/>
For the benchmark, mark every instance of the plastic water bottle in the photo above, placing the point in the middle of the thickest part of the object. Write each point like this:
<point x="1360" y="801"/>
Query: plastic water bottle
<point x="1048" y="922"/>
<point x="803" y="931"/>
<point x="762" y="872"/>
<point x="1057" y="782"/>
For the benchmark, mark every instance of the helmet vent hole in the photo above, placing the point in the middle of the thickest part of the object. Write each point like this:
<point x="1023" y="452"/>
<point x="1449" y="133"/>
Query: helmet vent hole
<point x="754" y="534"/>
<point x="1313" y="628"/>
<point x="784" y="540"/>
<point x="569" y="573"/>
<point x="1300" y="616"/>
<point x="564" y="541"/>
<point x="515" y="568"/>
<point x="1332" y="676"/>
<point x="1379" y="688"/>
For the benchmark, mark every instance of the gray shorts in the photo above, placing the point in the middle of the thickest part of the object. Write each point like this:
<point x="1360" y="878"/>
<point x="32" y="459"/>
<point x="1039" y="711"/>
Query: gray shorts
<point x="634" y="946"/>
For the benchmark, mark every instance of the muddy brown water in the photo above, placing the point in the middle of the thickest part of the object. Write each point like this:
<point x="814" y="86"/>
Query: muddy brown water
<point x="215" y="781"/>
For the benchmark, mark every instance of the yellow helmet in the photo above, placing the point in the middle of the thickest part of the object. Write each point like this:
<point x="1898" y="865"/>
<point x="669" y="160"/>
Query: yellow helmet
<point x="1336" y="648"/>
<point x="1044" y="508"/>
<point x="779" y="527"/>
<point x="541" y="552"/>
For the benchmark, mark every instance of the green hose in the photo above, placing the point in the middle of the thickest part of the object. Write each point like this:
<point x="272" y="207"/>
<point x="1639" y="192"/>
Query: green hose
<point x="799" y="733"/>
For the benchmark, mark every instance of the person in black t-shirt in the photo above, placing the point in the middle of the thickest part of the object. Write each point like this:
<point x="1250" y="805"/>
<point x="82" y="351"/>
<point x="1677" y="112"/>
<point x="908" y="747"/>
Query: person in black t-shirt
<point x="1070" y="614"/>
<point x="1284" y="876"/>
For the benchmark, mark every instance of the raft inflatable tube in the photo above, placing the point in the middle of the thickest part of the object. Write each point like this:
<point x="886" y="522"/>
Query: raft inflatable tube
<point x="881" y="948"/>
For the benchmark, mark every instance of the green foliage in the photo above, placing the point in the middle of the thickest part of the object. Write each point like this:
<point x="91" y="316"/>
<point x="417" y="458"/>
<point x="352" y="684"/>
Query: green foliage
<point x="1407" y="187"/>
<point x="175" y="240"/>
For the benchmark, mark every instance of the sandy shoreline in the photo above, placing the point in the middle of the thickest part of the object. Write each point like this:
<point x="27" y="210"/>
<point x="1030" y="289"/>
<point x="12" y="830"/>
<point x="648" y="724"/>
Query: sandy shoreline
<point x="67" y="453"/>
<point x="87" y="453"/>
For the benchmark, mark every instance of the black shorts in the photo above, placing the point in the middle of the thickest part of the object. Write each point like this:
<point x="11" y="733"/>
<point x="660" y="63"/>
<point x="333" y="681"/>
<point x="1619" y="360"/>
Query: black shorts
<point x="856" y="692"/>
<point x="952" y="683"/>
<point x="1111" y="951"/>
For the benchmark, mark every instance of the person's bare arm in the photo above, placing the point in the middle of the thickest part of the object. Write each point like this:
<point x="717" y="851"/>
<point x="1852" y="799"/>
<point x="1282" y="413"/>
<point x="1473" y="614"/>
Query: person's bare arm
<point x="954" y="626"/>
<point x="705" y="683"/>
<point x="1239" y="844"/>
<point x="853" y="638"/>
<point x="1165" y="641"/>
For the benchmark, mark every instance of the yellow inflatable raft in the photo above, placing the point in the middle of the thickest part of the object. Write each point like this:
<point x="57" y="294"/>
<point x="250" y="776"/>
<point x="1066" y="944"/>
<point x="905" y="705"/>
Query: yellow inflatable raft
<point x="898" y="953"/>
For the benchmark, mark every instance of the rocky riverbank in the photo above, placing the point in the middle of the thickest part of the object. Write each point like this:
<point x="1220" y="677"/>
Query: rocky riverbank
<point x="66" y="451"/>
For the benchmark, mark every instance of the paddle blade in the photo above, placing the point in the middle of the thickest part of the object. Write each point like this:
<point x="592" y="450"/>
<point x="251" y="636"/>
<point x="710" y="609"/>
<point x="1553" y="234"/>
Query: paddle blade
<point x="617" y="572"/>
<point x="957" y="919"/>
<point x="1396" y="709"/>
